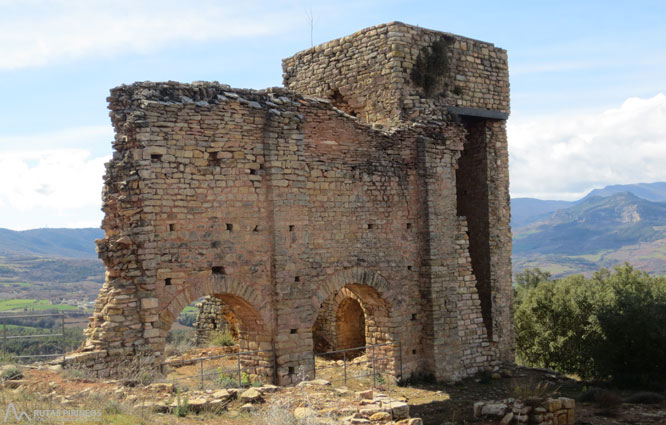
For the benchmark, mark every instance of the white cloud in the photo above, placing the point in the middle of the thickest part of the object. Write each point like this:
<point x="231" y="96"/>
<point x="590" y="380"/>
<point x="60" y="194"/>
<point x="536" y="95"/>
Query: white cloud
<point x="566" y="156"/>
<point x="59" y="179"/>
<point x="39" y="32"/>
<point x="84" y="136"/>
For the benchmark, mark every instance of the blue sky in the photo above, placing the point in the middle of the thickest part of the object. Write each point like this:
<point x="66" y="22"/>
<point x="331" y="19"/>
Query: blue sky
<point x="587" y="83"/>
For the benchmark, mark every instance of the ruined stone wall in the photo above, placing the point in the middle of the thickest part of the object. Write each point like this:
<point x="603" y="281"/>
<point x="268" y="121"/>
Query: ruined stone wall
<point x="260" y="204"/>
<point x="214" y="316"/>
<point x="372" y="70"/>
<point x="548" y="411"/>
<point x="276" y="203"/>
<point x="371" y="74"/>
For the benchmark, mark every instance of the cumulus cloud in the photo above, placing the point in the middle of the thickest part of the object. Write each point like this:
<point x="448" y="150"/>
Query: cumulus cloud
<point x="564" y="157"/>
<point x="39" y="32"/>
<point x="59" y="179"/>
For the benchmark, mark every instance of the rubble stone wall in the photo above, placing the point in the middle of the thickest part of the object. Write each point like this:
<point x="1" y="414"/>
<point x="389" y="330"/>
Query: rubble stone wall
<point x="214" y="316"/>
<point x="551" y="411"/>
<point x="275" y="202"/>
<point x="369" y="73"/>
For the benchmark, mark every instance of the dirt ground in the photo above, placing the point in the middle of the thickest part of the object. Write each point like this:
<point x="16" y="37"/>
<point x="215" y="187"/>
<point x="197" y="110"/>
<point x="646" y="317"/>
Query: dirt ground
<point x="437" y="404"/>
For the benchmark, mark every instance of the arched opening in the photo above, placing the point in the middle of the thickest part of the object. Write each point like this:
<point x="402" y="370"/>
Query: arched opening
<point x="252" y="332"/>
<point x="353" y="329"/>
<point x="251" y="343"/>
<point x="354" y="316"/>
<point x="350" y="324"/>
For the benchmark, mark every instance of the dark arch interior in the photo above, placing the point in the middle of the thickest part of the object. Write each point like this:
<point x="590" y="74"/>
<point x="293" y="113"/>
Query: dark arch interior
<point x="350" y="324"/>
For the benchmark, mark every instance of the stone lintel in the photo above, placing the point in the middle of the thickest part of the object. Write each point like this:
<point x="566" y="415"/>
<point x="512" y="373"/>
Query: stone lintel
<point x="478" y="113"/>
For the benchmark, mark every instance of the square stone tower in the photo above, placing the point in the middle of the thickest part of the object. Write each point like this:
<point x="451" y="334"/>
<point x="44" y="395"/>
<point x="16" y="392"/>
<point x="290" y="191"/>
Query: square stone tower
<point x="398" y="75"/>
<point x="367" y="202"/>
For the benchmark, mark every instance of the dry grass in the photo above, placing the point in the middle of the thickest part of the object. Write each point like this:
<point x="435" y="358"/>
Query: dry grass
<point x="533" y="392"/>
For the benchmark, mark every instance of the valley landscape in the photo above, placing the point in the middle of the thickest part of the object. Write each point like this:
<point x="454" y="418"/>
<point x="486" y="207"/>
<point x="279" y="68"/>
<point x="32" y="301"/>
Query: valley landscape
<point x="610" y="226"/>
<point x="56" y="266"/>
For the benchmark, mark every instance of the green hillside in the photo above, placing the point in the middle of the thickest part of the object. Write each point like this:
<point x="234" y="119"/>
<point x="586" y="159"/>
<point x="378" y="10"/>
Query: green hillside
<point x="595" y="225"/>
<point x="68" y="243"/>
<point x="50" y="264"/>
<point x="595" y="232"/>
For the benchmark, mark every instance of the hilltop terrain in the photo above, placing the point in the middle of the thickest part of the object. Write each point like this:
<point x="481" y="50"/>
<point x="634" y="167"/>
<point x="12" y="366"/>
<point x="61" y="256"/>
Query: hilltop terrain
<point x="609" y="226"/>
<point x="50" y="264"/>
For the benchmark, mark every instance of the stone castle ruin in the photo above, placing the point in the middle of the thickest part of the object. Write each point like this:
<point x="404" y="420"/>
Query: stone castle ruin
<point x="365" y="202"/>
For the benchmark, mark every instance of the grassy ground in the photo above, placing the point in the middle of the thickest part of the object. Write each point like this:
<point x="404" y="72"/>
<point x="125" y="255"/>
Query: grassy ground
<point x="22" y="304"/>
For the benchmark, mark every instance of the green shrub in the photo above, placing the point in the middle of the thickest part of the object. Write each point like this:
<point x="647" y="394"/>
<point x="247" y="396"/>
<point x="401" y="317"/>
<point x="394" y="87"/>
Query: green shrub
<point x="145" y="377"/>
<point x="6" y="358"/>
<point x="222" y="339"/>
<point x="606" y="327"/>
<point x="224" y="380"/>
<point x="10" y="372"/>
<point x="534" y="390"/>
<point x="182" y="407"/>
<point x="245" y="380"/>
<point x="556" y="327"/>
<point x="432" y="65"/>
<point x="112" y="408"/>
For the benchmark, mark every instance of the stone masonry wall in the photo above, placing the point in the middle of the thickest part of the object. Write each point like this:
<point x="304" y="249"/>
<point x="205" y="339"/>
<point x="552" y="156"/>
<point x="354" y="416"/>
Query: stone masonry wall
<point x="276" y="202"/>
<point x="371" y="70"/>
<point x="369" y="74"/>
<point x="214" y="316"/>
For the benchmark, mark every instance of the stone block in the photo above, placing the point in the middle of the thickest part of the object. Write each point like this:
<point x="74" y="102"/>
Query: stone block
<point x="494" y="409"/>
<point x="399" y="410"/>
<point x="147" y="303"/>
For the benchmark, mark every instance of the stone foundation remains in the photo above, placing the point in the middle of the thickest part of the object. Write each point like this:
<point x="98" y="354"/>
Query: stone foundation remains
<point x="552" y="411"/>
<point x="377" y="179"/>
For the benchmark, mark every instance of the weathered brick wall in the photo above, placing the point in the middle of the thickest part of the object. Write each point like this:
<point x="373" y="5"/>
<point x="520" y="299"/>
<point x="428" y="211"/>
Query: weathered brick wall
<point x="276" y="203"/>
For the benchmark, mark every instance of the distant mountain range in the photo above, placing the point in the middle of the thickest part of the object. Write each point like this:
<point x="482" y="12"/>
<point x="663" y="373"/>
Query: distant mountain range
<point x="527" y="210"/>
<point x="607" y="227"/>
<point x="63" y="243"/>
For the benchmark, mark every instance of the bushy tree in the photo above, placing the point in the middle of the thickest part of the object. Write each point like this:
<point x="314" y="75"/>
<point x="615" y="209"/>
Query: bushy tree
<point x="633" y="324"/>
<point x="556" y="327"/>
<point x="531" y="278"/>
<point x="607" y="326"/>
